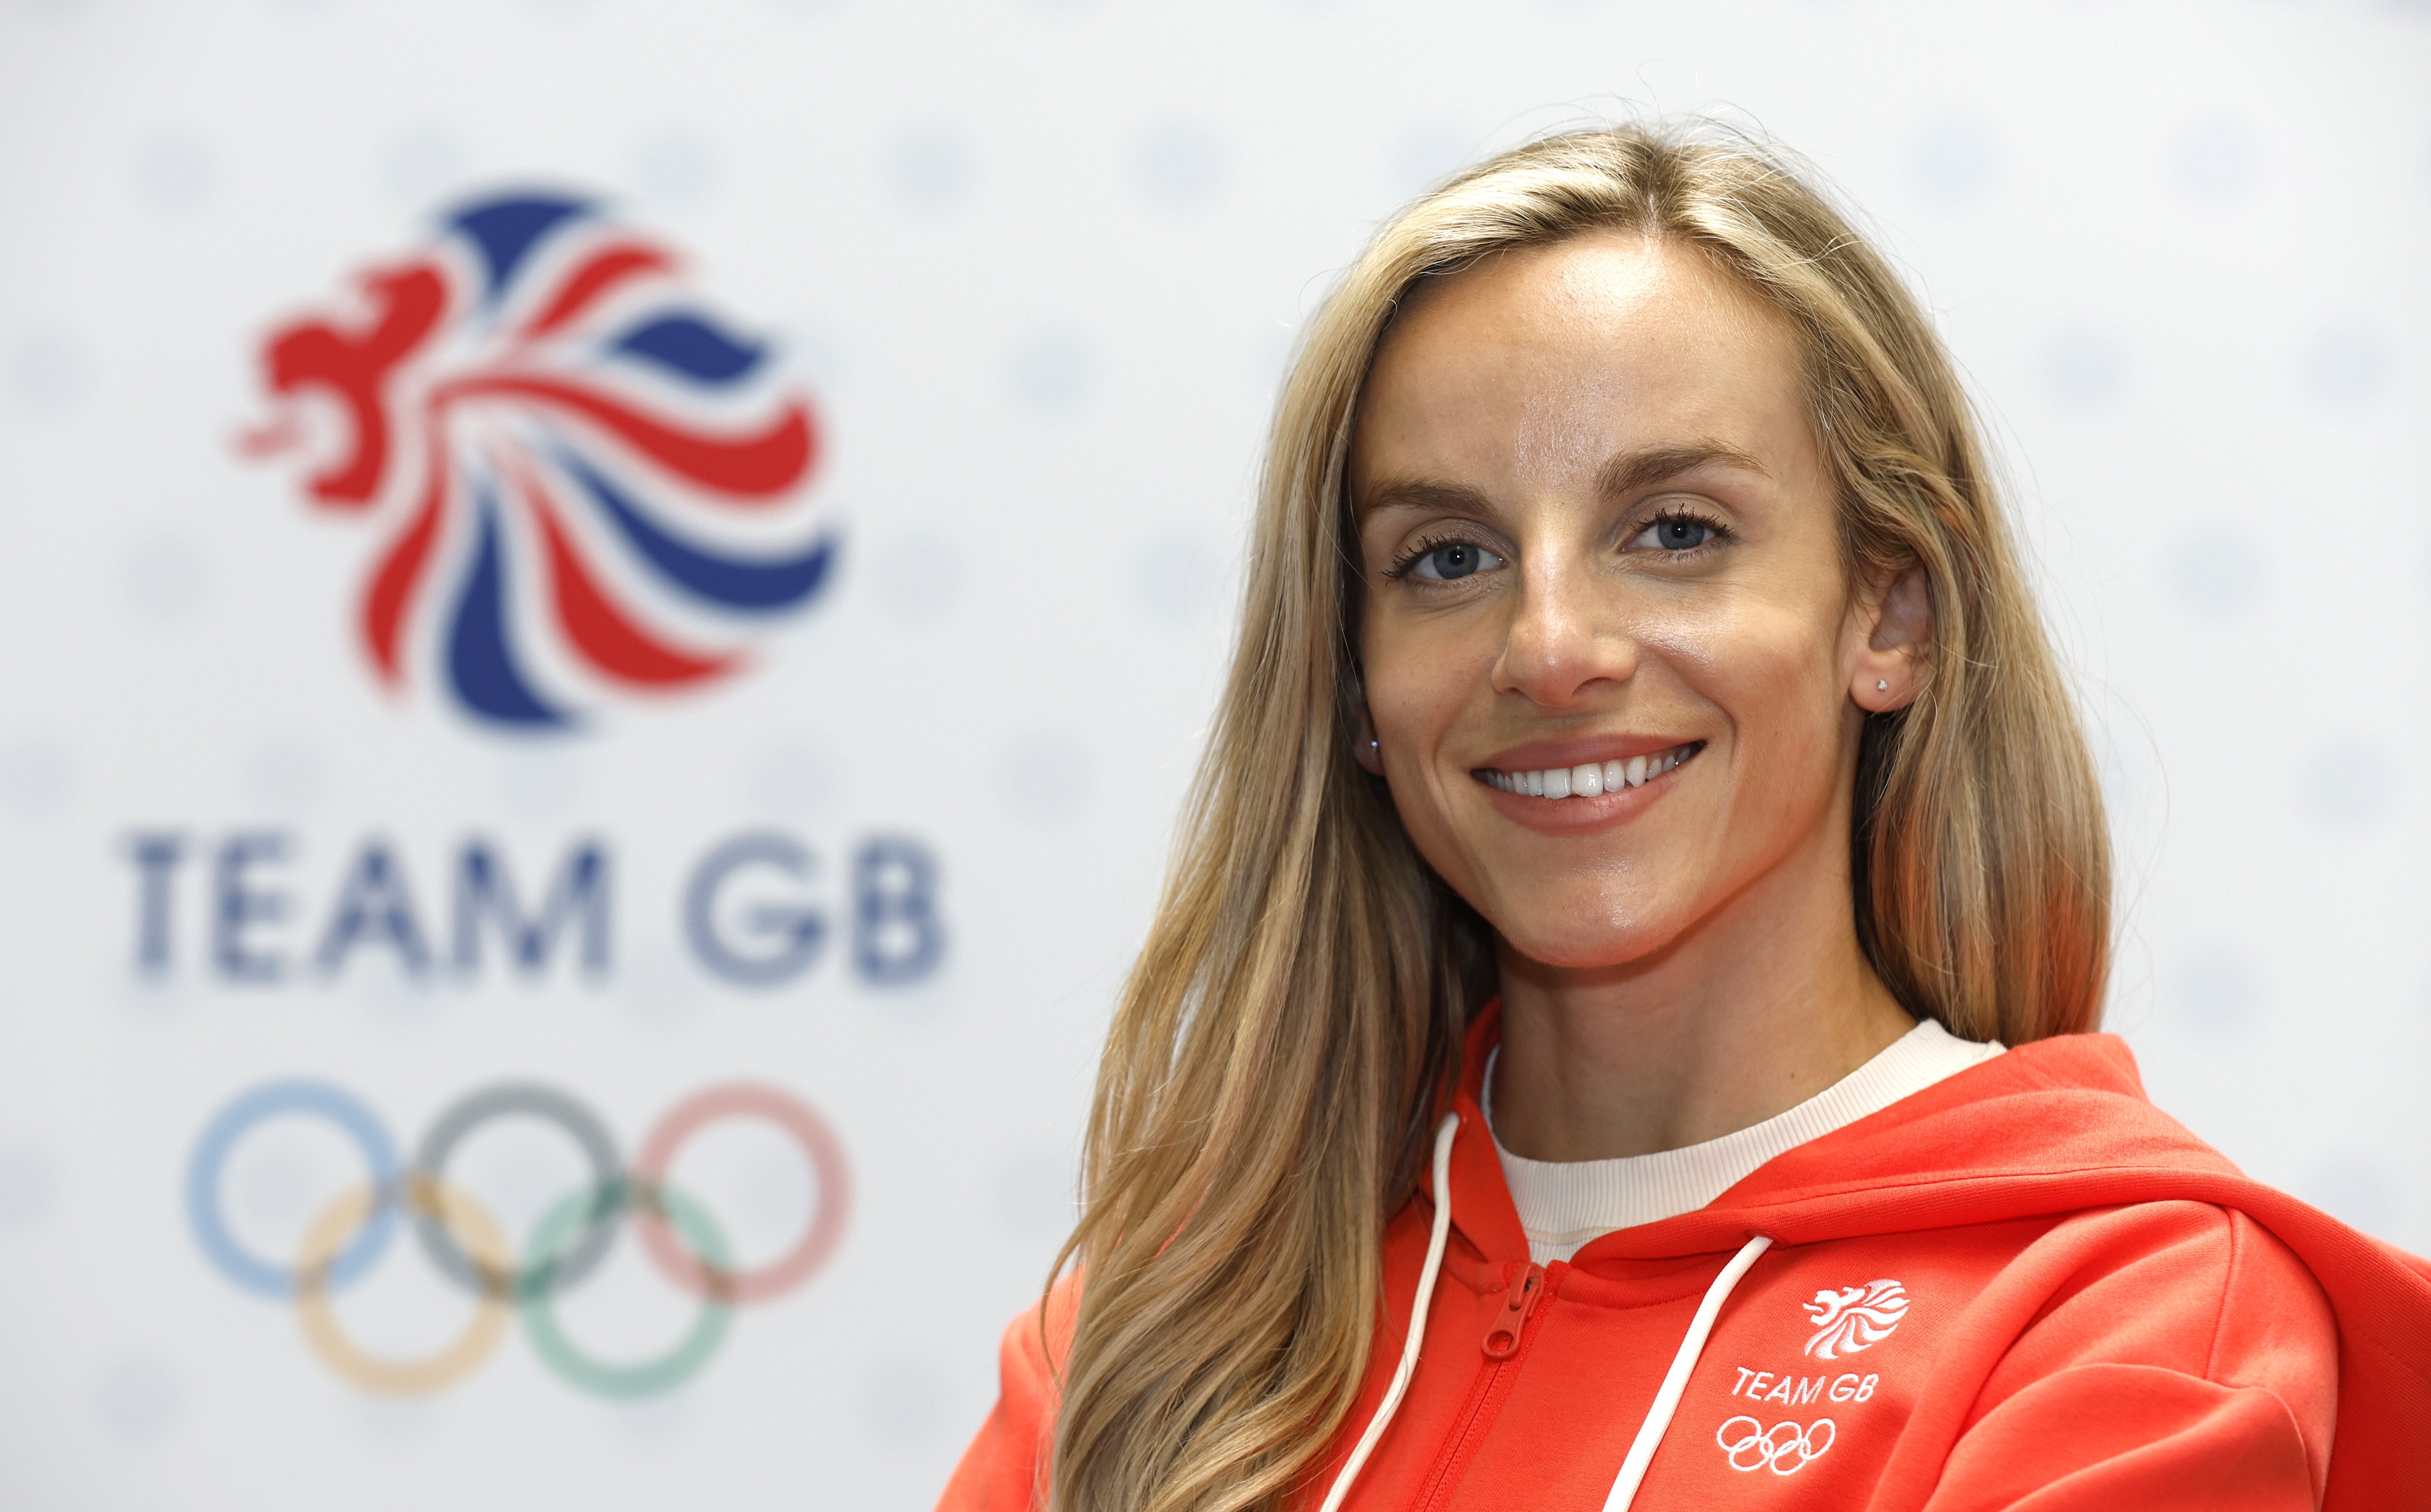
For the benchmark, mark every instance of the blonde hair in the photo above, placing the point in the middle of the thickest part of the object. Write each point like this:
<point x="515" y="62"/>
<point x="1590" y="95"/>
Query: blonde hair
<point x="1298" y="1011"/>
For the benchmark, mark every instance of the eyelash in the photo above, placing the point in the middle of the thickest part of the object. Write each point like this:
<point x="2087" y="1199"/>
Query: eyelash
<point x="1420" y="549"/>
<point x="1721" y="532"/>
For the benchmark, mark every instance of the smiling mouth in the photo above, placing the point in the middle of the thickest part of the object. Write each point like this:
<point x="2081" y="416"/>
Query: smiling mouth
<point x="1592" y="779"/>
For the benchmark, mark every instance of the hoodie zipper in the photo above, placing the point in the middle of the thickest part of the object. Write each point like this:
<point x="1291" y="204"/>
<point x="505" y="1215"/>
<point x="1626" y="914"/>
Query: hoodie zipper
<point x="1503" y="1338"/>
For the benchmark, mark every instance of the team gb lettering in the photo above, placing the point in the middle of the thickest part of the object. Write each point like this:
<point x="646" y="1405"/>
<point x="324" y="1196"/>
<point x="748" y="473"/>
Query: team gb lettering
<point x="1762" y="1386"/>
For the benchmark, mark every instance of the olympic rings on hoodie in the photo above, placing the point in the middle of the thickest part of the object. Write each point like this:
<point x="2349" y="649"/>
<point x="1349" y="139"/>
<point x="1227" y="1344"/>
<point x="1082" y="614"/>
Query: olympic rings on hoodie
<point x="1784" y="1448"/>
<point x="466" y="1244"/>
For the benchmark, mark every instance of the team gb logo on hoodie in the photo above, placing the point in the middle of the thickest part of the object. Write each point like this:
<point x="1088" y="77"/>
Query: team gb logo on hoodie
<point x="1855" y="1317"/>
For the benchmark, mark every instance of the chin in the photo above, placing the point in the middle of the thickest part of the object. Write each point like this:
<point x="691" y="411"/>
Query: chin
<point x="1585" y="934"/>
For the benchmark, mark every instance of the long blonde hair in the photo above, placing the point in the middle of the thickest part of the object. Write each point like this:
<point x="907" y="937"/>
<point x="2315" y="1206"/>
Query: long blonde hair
<point x="1299" y="1005"/>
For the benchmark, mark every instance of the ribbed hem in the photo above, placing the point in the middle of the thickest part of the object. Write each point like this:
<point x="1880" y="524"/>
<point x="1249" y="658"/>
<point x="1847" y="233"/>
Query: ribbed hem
<point x="1562" y="1205"/>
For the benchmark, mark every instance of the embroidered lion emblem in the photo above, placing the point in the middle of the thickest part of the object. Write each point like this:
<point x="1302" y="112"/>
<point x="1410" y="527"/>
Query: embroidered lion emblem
<point x="1855" y="1318"/>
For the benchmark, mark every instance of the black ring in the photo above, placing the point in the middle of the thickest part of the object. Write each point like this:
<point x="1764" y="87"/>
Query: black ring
<point x="549" y="1273"/>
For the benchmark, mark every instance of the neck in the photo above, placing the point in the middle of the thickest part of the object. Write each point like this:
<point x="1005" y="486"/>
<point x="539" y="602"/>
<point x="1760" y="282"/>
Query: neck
<point x="1747" y="1015"/>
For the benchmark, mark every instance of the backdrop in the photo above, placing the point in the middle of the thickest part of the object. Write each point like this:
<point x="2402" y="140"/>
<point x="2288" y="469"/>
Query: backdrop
<point x="608" y="598"/>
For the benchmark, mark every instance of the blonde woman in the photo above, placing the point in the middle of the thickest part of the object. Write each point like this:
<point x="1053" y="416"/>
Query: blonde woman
<point x="1619" y="1029"/>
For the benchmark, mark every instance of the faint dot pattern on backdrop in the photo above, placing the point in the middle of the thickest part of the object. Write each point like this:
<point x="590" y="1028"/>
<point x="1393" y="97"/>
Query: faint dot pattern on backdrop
<point x="167" y="578"/>
<point x="1425" y="151"/>
<point x="2347" y="787"/>
<point x="2343" y="366"/>
<point x="1050" y="374"/>
<point x="2214" y="991"/>
<point x="2085" y="369"/>
<point x="673" y="169"/>
<point x="1954" y="164"/>
<point x="1179" y="167"/>
<point x="1030" y="1194"/>
<point x="29" y="1188"/>
<point x="2215" y="573"/>
<point x="38" y="778"/>
<point x="175" y="174"/>
<point x="1046" y="777"/>
<point x="904" y="1401"/>
<point x="137" y="1400"/>
<point x="933" y="168"/>
<point x="42" y="371"/>
<point x="2215" y="161"/>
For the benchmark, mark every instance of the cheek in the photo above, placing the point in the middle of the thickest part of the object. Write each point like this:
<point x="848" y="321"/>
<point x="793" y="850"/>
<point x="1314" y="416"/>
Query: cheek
<point x="1421" y="677"/>
<point x="1772" y="675"/>
<point x="1424" y="684"/>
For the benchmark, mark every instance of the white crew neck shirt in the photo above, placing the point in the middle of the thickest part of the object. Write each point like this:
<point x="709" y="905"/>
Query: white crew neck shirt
<point x="1564" y="1203"/>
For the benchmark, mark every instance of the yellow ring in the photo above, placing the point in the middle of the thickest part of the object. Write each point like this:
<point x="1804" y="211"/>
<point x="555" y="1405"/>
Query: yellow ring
<point x="336" y="1226"/>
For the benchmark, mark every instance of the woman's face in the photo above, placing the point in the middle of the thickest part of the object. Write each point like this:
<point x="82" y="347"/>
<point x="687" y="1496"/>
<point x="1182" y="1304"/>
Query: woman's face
<point x="1598" y="541"/>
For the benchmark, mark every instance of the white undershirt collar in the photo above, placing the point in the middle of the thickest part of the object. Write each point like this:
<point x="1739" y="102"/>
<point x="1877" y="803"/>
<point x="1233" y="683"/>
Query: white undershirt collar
<point x="1564" y="1204"/>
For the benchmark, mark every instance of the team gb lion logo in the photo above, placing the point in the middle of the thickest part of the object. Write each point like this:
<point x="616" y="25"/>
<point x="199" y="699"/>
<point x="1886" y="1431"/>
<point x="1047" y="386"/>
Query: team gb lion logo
<point x="584" y="482"/>
<point x="1855" y="1317"/>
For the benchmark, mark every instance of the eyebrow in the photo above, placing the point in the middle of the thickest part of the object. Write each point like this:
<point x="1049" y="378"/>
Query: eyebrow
<point x="1622" y="474"/>
<point x="1631" y="472"/>
<point x="1420" y="494"/>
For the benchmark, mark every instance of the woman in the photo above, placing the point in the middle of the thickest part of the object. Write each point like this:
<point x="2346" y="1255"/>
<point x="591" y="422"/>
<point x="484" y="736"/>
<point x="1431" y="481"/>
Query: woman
<point x="1619" y="1023"/>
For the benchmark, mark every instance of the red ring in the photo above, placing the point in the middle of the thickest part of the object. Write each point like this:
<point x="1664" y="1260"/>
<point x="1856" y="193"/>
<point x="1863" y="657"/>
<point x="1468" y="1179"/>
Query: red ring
<point x="734" y="1099"/>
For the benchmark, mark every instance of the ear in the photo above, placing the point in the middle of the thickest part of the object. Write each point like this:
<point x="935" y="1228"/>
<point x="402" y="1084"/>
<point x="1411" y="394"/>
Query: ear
<point x="1363" y="748"/>
<point x="1887" y="672"/>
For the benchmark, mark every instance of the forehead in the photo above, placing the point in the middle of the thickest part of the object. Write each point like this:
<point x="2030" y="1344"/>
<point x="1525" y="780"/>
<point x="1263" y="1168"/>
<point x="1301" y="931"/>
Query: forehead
<point x="1560" y="356"/>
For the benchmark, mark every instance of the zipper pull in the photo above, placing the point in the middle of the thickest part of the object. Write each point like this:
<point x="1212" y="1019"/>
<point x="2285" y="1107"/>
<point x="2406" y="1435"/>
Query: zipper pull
<point x="1502" y="1334"/>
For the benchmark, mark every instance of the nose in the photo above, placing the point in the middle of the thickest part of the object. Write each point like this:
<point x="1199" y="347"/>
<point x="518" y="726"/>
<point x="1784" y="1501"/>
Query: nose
<point x="1567" y="636"/>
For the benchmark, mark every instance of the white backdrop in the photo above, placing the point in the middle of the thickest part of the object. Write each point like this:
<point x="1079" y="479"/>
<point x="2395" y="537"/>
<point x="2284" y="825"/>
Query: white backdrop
<point x="1036" y="268"/>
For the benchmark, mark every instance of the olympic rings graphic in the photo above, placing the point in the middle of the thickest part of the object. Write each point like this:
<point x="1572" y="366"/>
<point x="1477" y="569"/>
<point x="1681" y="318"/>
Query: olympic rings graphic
<point x="468" y="1246"/>
<point x="1784" y="1448"/>
<point x="349" y="1216"/>
<point x="552" y="1106"/>
<point x="234" y="1122"/>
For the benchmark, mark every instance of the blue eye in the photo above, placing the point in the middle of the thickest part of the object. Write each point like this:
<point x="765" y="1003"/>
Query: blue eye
<point x="1678" y="532"/>
<point x="1458" y="558"/>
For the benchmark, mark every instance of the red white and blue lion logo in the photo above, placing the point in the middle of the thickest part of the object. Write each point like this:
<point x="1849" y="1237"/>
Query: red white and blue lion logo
<point x="584" y="478"/>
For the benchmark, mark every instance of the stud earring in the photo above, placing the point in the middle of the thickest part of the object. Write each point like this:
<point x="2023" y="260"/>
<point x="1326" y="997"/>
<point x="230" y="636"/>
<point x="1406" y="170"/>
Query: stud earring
<point x="1881" y="686"/>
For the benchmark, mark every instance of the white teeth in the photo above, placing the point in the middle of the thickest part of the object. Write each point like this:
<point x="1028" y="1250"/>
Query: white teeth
<point x="1591" y="780"/>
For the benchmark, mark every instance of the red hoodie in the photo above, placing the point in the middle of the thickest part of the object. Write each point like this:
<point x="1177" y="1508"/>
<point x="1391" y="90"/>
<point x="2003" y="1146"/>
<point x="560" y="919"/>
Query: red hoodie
<point x="2025" y="1286"/>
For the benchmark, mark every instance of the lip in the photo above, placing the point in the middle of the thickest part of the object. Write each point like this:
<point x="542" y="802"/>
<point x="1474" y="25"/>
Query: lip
<point x="1582" y="816"/>
<point x="1537" y="755"/>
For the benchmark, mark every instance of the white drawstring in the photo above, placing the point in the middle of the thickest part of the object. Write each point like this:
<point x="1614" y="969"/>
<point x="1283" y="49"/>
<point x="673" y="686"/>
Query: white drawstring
<point x="1667" y="1400"/>
<point x="1409" y="1366"/>
<point x="1658" y="1418"/>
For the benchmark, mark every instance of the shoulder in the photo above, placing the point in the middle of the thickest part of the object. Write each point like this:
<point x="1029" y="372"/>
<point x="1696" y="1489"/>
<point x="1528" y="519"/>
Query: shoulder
<point x="2188" y="1284"/>
<point x="1004" y="1469"/>
<point x="2192" y="1315"/>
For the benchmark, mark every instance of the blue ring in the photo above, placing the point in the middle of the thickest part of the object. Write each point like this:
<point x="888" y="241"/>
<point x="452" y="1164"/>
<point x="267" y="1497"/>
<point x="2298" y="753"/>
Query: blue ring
<point x="233" y="1123"/>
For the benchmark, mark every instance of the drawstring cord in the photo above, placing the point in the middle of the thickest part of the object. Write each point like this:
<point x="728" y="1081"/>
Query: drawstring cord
<point x="1667" y="1400"/>
<point x="1658" y="1417"/>
<point x="1409" y="1365"/>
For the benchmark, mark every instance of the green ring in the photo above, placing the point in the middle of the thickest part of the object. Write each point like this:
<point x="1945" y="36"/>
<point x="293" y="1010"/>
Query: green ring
<point x="649" y="1377"/>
